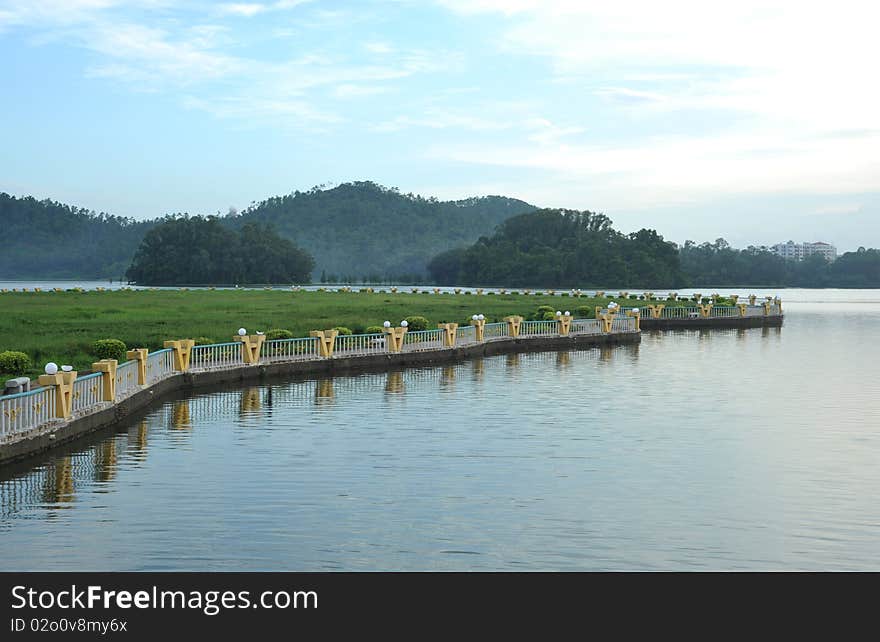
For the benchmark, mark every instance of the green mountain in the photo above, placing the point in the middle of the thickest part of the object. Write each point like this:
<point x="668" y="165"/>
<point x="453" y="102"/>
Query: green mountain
<point x="361" y="229"/>
<point x="354" y="230"/>
<point x="45" y="239"/>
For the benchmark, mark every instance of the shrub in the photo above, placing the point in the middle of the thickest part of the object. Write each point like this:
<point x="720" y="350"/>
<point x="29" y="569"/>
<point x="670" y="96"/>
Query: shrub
<point x="204" y="341"/>
<point x="417" y="323"/>
<point x="13" y="362"/>
<point x="278" y="333"/>
<point x="341" y="329"/>
<point x="490" y="294"/>
<point x="110" y="349"/>
<point x="634" y="297"/>
<point x="564" y="294"/>
<point x="374" y="329"/>
<point x="547" y="316"/>
<point x="545" y="308"/>
<point x="584" y="312"/>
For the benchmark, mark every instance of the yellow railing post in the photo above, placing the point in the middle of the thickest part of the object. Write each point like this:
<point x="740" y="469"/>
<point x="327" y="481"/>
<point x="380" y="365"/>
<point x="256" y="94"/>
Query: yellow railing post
<point x="656" y="310"/>
<point x="513" y="325"/>
<point x="766" y="306"/>
<point x="394" y="338"/>
<point x="182" y="350"/>
<point x="140" y="355"/>
<point x="705" y="310"/>
<point x="479" y="327"/>
<point x="637" y="315"/>
<point x="752" y="299"/>
<point x="107" y="368"/>
<point x="251" y="344"/>
<point x="63" y="383"/>
<point x="449" y="331"/>
<point x="326" y="341"/>
<point x="734" y="298"/>
<point x="564" y="324"/>
<point x="742" y="309"/>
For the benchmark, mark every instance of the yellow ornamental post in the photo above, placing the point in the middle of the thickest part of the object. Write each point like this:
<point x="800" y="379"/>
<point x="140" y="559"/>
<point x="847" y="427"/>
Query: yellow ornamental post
<point x="449" y="332"/>
<point x="766" y="306"/>
<point x="107" y="368"/>
<point x="139" y="355"/>
<point x="513" y="325"/>
<point x="63" y="384"/>
<point x="251" y="344"/>
<point x="479" y="327"/>
<point x="326" y="341"/>
<point x="182" y="351"/>
<point x="564" y="324"/>
<point x="742" y="308"/>
<point x="673" y="296"/>
<point x="606" y="318"/>
<point x="458" y="290"/>
<point x="656" y="310"/>
<point x="734" y="298"/>
<point x="600" y="294"/>
<point x="698" y="297"/>
<point x="479" y="291"/>
<point x="752" y="299"/>
<point x="394" y="338"/>
<point x="637" y="315"/>
<point x="705" y="310"/>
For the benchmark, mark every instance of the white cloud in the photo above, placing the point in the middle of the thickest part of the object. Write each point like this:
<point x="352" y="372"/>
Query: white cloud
<point x="246" y="9"/>
<point x="789" y="75"/>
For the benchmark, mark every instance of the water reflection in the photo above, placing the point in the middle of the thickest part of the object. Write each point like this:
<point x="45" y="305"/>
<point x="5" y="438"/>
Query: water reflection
<point x="507" y="463"/>
<point x="394" y="383"/>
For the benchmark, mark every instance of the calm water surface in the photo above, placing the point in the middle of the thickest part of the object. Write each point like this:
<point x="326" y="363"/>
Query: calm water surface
<point x="751" y="449"/>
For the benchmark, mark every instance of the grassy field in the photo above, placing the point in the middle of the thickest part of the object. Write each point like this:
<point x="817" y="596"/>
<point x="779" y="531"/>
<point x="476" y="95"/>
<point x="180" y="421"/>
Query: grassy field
<point x="63" y="326"/>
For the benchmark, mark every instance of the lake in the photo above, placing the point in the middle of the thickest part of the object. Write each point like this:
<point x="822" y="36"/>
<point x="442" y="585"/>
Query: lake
<point x="697" y="450"/>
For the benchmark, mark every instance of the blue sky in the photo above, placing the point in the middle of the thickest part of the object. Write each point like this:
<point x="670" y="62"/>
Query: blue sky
<point x="756" y="121"/>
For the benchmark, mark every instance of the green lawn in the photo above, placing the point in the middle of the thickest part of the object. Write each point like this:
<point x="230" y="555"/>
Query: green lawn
<point x="63" y="326"/>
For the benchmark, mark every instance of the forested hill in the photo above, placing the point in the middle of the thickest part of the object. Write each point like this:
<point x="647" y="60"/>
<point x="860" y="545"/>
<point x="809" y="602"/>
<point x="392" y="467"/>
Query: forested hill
<point x="45" y="239"/>
<point x="361" y="229"/>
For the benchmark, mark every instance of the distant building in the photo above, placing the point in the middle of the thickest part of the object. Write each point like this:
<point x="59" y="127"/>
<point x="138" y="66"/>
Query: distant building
<point x="799" y="251"/>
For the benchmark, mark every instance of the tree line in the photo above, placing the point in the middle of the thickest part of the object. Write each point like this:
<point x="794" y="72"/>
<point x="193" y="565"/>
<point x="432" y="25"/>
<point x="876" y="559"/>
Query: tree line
<point x="569" y="248"/>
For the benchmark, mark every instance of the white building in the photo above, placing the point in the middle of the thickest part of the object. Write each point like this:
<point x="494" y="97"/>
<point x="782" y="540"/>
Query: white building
<point x="799" y="251"/>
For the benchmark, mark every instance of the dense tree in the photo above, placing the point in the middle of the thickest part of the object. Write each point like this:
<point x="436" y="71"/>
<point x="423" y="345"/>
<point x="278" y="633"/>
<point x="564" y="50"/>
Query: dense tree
<point x="558" y="248"/>
<point x="199" y="251"/>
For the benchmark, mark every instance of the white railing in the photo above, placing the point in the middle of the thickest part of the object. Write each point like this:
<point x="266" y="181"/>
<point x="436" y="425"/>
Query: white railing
<point x="25" y="411"/>
<point x="88" y="392"/>
<point x="465" y="334"/>
<point x="495" y="331"/>
<point x="126" y="380"/>
<point x="585" y="326"/>
<point x="216" y="355"/>
<point x="160" y="365"/>
<point x="423" y="340"/>
<point x="538" y="328"/>
<point x="623" y="323"/>
<point x="290" y="349"/>
<point x="348" y="345"/>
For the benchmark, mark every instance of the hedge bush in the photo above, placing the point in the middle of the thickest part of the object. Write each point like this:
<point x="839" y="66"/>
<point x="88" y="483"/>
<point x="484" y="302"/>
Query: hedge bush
<point x="278" y="333"/>
<point x="417" y="323"/>
<point x="204" y="341"/>
<point x="374" y="329"/>
<point x="584" y="312"/>
<point x="13" y="362"/>
<point x="341" y="329"/>
<point x="110" y="349"/>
